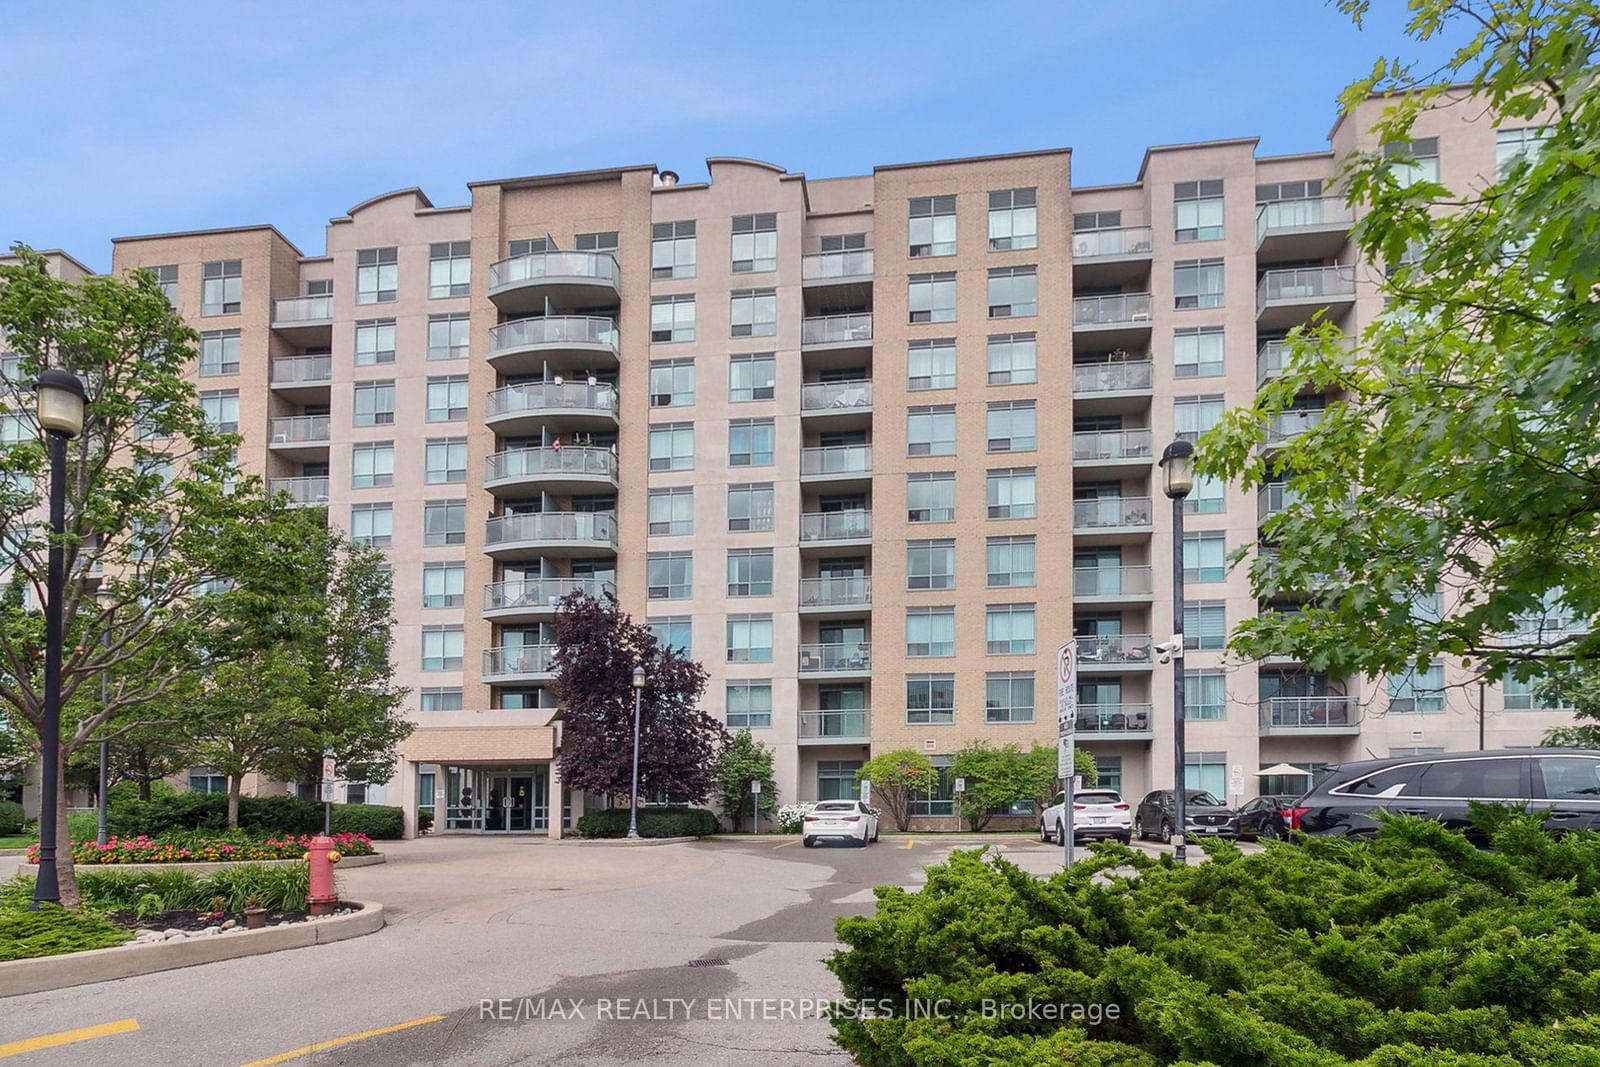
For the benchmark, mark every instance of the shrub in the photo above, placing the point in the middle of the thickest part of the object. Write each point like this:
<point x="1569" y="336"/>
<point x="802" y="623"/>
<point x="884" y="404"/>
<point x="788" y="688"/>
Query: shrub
<point x="377" y="821"/>
<point x="198" y="847"/>
<point x="896" y="778"/>
<point x="1412" y="948"/>
<point x="11" y="820"/>
<point x="83" y="825"/>
<point x="424" y="820"/>
<point x="259" y="815"/>
<point x="51" y="931"/>
<point x="791" y="817"/>
<point x="124" y="792"/>
<point x="180" y="890"/>
<point x="653" y="822"/>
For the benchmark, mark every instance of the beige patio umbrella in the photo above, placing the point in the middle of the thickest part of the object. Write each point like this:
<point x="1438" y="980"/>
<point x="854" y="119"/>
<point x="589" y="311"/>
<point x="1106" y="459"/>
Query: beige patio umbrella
<point x="1282" y="769"/>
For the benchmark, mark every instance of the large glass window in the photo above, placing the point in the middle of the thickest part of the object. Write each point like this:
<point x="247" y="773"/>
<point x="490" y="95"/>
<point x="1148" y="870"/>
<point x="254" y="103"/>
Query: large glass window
<point x="931" y="228"/>
<point x="167" y="281"/>
<point x="1012" y="426"/>
<point x="931" y="364"/>
<point x="931" y="497"/>
<point x="930" y="698"/>
<point x="1197" y="210"/>
<point x="672" y="318"/>
<point x="444" y="585"/>
<point x="1013" y="219"/>
<point x="751" y="378"/>
<point x="374" y="342"/>
<point x="671" y="383"/>
<point x="1010" y="629"/>
<point x="755" y="243"/>
<point x="449" y="268"/>
<point x="1415" y="162"/>
<point x="753" y="313"/>
<point x="445" y="460"/>
<point x="1417" y="692"/>
<point x="1206" y="770"/>
<point x="442" y="648"/>
<point x="1194" y="415"/>
<point x="669" y="575"/>
<point x="219" y="353"/>
<point x="372" y="525"/>
<point x="1008" y="697"/>
<point x="1205" y="557"/>
<point x="1513" y="145"/>
<point x="1011" y="562"/>
<point x="221" y="287"/>
<point x="672" y="249"/>
<point x="447" y="398"/>
<point x="750" y="442"/>
<point x="750" y="507"/>
<point x="1525" y="695"/>
<point x="931" y="631"/>
<point x="1013" y="292"/>
<point x="1205" y="695"/>
<point x="931" y="564"/>
<point x="377" y="275"/>
<point x="672" y="446"/>
<point x="932" y="297"/>
<point x="437" y="698"/>
<point x="749" y="705"/>
<point x="448" y="336"/>
<point x="673" y="631"/>
<point x="1011" y="493"/>
<point x="444" y="522"/>
<point x="221" y="409"/>
<point x="750" y="572"/>
<point x="836" y="779"/>
<point x="749" y="638"/>
<point x="1197" y="352"/>
<point x="931" y="431"/>
<point x="671" y="511"/>
<point x="1205" y="625"/>
<point x="1197" y="283"/>
<point x="1207" y="497"/>
<point x="1013" y="359"/>
<point x="374" y="403"/>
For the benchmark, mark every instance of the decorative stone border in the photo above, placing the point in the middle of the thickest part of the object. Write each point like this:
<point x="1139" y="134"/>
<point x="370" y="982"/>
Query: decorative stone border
<point x="125" y="961"/>
<point x="345" y="863"/>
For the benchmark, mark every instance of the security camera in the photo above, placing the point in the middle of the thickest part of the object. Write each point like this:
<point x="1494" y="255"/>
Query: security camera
<point x="1169" y="650"/>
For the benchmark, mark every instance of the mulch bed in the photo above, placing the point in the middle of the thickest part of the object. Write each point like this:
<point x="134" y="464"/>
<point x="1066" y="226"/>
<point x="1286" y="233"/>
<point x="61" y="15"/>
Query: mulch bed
<point x="199" y="920"/>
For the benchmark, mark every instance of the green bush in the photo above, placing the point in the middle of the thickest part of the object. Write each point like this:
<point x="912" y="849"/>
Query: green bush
<point x="124" y="792"/>
<point x="178" y="890"/>
<point x="424" y="820"/>
<point x="82" y="825"/>
<point x="378" y="821"/>
<point x="1414" y="948"/>
<point x="653" y="822"/>
<point x="51" y="931"/>
<point x="178" y="812"/>
<point x="11" y="820"/>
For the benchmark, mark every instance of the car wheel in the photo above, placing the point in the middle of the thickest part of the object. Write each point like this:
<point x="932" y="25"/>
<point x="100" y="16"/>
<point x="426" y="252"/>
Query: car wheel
<point x="1061" y="833"/>
<point x="1126" y="839"/>
<point x="1044" y="835"/>
<point x="808" y="842"/>
<point x="1166" y="831"/>
<point x="874" y="833"/>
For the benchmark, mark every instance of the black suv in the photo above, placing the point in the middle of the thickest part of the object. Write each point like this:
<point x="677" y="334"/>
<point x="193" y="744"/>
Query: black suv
<point x="1562" y="783"/>
<point x="1205" y="814"/>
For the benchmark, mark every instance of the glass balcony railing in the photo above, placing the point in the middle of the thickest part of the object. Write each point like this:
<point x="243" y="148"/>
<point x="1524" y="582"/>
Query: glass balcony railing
<point x="835" y="525"/>
<point x="553" y="330"/>
<point x="1112" y="511"/>
<point x="1275" y="497"/>
<point x="580" y="527"/>
<point x="835" y="459"/>
<point x="854" y="263"/>
<point x="1305" y="285"/>
<point x="836" y="329"/>
<point x="1099" y="649"/>
<point x="1309" y="713"/>
<point x="1114" y="377"/>
<point x="1111" y="581"/>
<point x="308" y="491"/>
<point x="836" y="396"/>
<point x="1113" y="718"/>
<point x="302" y="310"/>
<point x="1272" y="359"/>
<point x="553" y="396"/>
<point x="523" y="659"/>
<point x="301" y="370"/>
<point x="1288" y="215"/>
<point x="850" y="590"/>
<point x="535" y="266"/>
<point x="1111" y="309"/>
<point x="299" y="429"/>
<point x="1095" y="445"/>
<point x="1287" y="425"/>
<point x="536" y="462"/>
<point x="842" y="724"/>
<point x="1127" y="241"/>
<point x="541" y="592"/>
<point x="848" y="656"/>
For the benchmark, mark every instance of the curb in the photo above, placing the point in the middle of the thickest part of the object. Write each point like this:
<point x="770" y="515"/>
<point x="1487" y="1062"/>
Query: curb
<point x="345" y="863"/>
<point x="126" y="961"/>
<point x="623" y="842"/>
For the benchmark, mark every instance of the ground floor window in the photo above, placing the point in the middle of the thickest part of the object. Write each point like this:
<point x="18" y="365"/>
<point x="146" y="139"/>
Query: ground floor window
<point x="206" y="780"/>
<point x="1108" y="772"/>
<point x="1291" y="784"/>
<point x="941" y="799"/>
<point x="425" y="792"/>
<point x="1206" y="770"/>
<point x="355" y="793"/>
<point x="836" y="779"/>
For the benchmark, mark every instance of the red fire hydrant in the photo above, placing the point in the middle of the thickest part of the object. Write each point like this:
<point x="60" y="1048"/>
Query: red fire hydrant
<point x="320" y="858"/>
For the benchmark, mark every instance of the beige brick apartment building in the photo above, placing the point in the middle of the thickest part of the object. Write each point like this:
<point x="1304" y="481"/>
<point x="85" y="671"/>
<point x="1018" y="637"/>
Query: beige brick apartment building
<point x="869" y="448"/>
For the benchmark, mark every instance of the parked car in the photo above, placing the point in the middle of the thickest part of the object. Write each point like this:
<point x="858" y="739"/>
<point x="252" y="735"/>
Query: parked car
<point x="1263" y="816"/>
<point x="849" y="819"/>
<point x="1204" y="815"/>
<point x="1561" y="783"/>
<point x="1096" y="814"/>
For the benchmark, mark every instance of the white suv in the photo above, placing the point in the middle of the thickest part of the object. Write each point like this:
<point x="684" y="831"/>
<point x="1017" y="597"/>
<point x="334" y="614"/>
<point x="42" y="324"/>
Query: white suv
<point x="849" y="819"/>
<point x="1096" y="813"/>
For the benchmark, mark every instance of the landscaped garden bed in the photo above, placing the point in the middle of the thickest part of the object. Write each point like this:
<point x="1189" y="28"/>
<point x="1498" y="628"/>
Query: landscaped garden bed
<point x="202" y="847"/>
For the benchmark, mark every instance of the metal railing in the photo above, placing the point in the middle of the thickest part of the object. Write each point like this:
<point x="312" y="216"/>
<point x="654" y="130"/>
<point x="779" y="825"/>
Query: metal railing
<point x="848" y="656"/>
<point x="835" y="525"/>
<point x="1091" y="445"/>
<point x="1127" y="241"/>
<point x="1272" y="359"/>
<point x="836" y="329"/>
<point x="533" y="266"/>
<point x="307" y="491"/>
<point x="534" y="462"/>
<point x="836" y="459"/>
<point x="1114" y="377"/>
<point x="298" y="429"/>
<point x="553" y="396"/>
<point x="295" y="310"/>
<point x="553" y="330"/>
<point x="1289" y="215"/>
<point x="1275" y="497"/>
<point x="1113" y="718"/>
<point x="836" y="396"/>
<point x="541" y="592"/>
<point x="850" y="590"/>
<point x="527" y="659"/>
<point x="1111" y="309"/>
<point x="851" y="723"/>
<point x="1111" y="512"/>
<point x="301" y="370"/>
<point x="852" y="263"/>
<point x="1113" y="648"/>
<point x="1291" y="423"/>
<point x="1302" y="284"/>
<point x="586" y="527"/>
<point x="1111" y="581"/>
<point x="1309" y="713"/>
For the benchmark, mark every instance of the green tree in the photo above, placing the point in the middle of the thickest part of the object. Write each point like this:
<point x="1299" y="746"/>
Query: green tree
<point x="1577" y="688"/>
<point x="1457" y="460"/>
<point x="744" y="761"/>
<point x="996" y="777"/>
<point x="897" y="778"/>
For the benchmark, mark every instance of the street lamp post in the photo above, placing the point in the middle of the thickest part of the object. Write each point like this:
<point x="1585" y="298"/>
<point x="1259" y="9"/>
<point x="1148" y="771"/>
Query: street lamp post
<point x="633" y="794"/>
<point x="1177" y="479"/>
<point x="60" y="398"/>
<point x="106" y="603"/>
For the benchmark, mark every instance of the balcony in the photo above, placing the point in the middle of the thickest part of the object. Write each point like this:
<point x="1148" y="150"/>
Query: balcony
<point x="1272" y="360"/>
<point x="526" y="663"/>
<point x="837" y="279"/>
<point x="1286" y="298"/>
<point x="522" y="410"/>
<point x="1114" y="379"/>
<point x="1287" y="425"/>
<point x="1316" y="228"/>
<point x="1114" y="653"/>
<point x="298" y="433"/>
<point x="1111" y="585"/>
<point x="574" y="280"/>
<point x="839" y="405"/>
<point x="1111" y="515"/>
<point x="851" y="659"/>
<point x="575" y="470"/>
<point x="845" y="338"/>
<point x="1112" y="450"/>
<point x="560" y="533"/>
<point x="850" y="727"/>
<point x="563" y="342"/>
<point x="537" y="598"/>
<point x="1113" y="318"/>
<point x="837" y="464"/>
<point x="306" y="319"/>
<point x="302" y="492"/>
<point x="302" y="378"/>
<point x="1274" y="498"/>
<point x="851" y="593"/>
<point x="1111" y="257"/>
<point x="836" y="528"/>
<point x="1320" y="716"/>
<point x="1113" y="722"/>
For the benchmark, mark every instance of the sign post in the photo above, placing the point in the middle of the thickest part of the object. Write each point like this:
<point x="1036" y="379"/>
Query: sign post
<point x="866" y="793"/>
<point x="1066" y="724"/>
<point x="329" y="772"/>
<point x="755" y="803"/>
<point x="958" y="788"/>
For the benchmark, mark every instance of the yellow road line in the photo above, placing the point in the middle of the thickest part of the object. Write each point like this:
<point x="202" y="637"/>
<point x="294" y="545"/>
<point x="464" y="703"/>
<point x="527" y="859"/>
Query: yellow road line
<point x="786" y="844"/>
<point x="909" y="842"/>
<point x="67" y="1037"/>
<point x="323" y="1046"/>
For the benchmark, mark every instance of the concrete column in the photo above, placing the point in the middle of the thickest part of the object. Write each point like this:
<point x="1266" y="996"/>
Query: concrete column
<point x="554" y="806"/>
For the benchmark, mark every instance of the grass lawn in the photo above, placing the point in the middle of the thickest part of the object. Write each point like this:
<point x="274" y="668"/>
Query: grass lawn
<point x="50" y="931"/>
<point x="18" y="841"/>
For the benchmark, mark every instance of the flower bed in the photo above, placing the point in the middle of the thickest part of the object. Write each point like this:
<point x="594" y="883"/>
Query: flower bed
<point x="200" y="848"/>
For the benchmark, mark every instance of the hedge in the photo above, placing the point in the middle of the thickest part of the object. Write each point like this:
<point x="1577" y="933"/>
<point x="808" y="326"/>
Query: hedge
<point x="258" y="815"/>
<point x="653" y="822"/>
<point x="11" y="820"/>
<point x="199" y="846"/>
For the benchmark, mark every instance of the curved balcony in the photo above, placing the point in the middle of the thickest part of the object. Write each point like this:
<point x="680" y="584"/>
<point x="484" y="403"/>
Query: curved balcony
<point x="537" y="598"/>
<point x="525" y="663"/>
<point x="850" y="659"/>
<point x="521" y="410"/>
<point x="577" y="342"/>
<point x="850" y="726"/>
<point x="558" y="533"/>
<point x="1321" y="716"/>
<point x="576" y="470"/>
<point x="566" y="279"/>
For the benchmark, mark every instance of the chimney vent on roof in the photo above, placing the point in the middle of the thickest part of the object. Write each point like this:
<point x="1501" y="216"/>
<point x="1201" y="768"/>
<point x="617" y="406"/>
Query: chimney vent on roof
<point x="668" y="177"/>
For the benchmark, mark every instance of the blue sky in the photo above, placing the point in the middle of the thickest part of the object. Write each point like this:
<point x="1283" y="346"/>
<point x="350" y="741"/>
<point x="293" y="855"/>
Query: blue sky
<point x="141" y="118"/>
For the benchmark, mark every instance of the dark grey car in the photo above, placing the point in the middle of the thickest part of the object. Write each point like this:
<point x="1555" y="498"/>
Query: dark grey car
<point x="1204" y="814"/>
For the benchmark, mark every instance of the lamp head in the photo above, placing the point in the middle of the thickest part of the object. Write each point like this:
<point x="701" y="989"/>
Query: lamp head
<point x="61" y="399"/>
<point x="638" y="677"/>
<point x="1177" y="469"/>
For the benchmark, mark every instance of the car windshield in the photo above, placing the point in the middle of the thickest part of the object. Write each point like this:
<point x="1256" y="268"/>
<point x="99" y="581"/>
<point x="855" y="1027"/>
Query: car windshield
<point x="836" y="805"/>
<point x="1104" y="796"/>
<point x="1201" y="797"/>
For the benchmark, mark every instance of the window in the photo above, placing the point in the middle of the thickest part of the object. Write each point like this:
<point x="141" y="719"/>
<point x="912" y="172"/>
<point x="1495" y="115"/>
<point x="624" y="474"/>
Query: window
<point x="444" y="585"/>
<point x="672" y="249"/>
<point x="1205" y="695"/>
<point x="671" y="511"/>
<point x="1013" y="219"/>
<point x="441" y="648"/>
<point x="753" y="312"/>
<point x="372" y="524"/>
<point x="1010" y="562"/>
<point x="221" y="287"/>
<point x="672" y="318"/>
<point x="444" y="522"/>
<point x="374" y="342"/>
<point x="755" y="243"/>
<point x="1568" y="777"/>
<point x="750" y="507"/>
<point x="167" y="281"/>
<point x="1013" y="359"/>
<point x="931" y="497"/>
<point x="221" y="409"/>
<point x="1510" y="146"/>
<point x="672" y="631"/>
<point x="376" y="275"/>
<point x="750" y="442"/>
<point x="931" y="364"/>
<point x="1013" y="292"/>
<point x="1495" y="779"/>
<point x="930" y="564"/>
<point x="752" y="378"/>
<point x="940" y="800"/>
<point x="1417" y="692"/>
<point x="1011" y="493"/>
<point x="750" y="572"/>
<point x="1415" y="162"/>
<point x="374" y="403"/>
<point x="439" y="698"/>
<point x="1197" y="352"/>
<point x="931" y="631"/>
<point x="1205" y="625"/>
<point x="672" y="383"/>
<point x="1205" y="557"/>
<point x="1108" y="772"/>
<point x="672" y="446"/>
<point x="449" y="268"/>
<point x="219" y="353"/>
<point x="1206" y="770"/>
<point x="749" y="705"/>
<point x="1194" y="415"/>
<point x="1206" y="498"/>
<point x="1010" y="629"/>
<point x="931" y="228"/>
<point x="445" y="460"/>
<point x="523" y="699"/>
<point x="930" y="699"/>
<point x="596" y="242"/>
<point x="669" y="575"/>
<point x="1197" y="210"/>
<point x="749" y="638"/>
<point x="447" y="398"/>
<point x="1008" y="697"/>
<point x="1012" y="426"/>
<point x="836" y="779"/>
<point x="1197" y="283"/>
<point x="1524" y="695"/>
<point x="932" y="297"/>
<point x="931" y="431"/>
<point x="447" y="336"/>
<point x="206" y="780"/>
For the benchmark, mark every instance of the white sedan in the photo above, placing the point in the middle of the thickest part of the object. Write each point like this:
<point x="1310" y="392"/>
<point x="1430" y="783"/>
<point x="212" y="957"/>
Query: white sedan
<point x="1096" y="813"/>
<point x="849" y="819"/>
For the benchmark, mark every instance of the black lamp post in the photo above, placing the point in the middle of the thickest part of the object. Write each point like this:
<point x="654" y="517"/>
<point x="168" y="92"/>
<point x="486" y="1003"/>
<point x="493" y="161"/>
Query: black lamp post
<point x="633" y="794"/>
<point x="60" y="413"/>
<point x="1177" y="479"/>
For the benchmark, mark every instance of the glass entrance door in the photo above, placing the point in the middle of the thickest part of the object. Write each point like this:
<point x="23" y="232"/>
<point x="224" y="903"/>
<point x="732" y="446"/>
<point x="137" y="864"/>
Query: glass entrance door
<point x="510" y="803"/>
